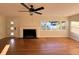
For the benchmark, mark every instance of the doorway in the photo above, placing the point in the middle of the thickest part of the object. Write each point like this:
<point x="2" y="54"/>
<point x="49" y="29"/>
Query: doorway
<point x="74" y="30"/>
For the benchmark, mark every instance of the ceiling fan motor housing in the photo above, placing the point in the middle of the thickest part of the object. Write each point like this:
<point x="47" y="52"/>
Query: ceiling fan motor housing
<point x="32" y="9"/>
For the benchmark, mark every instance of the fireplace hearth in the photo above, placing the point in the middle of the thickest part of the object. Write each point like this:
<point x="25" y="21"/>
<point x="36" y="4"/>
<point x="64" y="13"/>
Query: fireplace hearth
<point x="29" y="33"/>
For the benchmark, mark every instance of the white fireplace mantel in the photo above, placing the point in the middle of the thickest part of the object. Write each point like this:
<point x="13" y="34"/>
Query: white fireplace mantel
<point x="21" y="30"/>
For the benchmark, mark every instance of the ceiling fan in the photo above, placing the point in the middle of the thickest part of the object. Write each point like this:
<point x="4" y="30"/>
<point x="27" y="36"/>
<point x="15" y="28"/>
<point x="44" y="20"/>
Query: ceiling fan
<point x="31" y="9"/>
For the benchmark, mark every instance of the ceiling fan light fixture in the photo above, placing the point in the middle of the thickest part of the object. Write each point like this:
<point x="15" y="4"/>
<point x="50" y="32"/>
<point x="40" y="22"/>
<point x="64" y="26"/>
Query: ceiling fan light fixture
<point x="32" y="10"/>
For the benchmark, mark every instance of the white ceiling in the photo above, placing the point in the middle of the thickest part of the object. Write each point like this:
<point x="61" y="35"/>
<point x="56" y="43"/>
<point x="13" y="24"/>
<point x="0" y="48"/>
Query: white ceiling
<point x="54" y="9"/>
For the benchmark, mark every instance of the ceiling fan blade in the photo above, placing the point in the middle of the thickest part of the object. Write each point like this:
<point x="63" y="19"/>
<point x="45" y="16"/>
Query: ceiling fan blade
<point x="24" y="5"/>
<point x="38" y="13"/>
<point x="41" y="8"/>
<point x="23" y="11"/>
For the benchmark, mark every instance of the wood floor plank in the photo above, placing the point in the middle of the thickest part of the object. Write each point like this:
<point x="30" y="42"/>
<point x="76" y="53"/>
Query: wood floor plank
<point x="43" y="46"/>
<point x="4" y="51"/>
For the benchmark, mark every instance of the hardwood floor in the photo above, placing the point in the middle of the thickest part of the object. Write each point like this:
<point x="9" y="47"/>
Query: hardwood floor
<point x="41" y="46"/>
<point x="3" y="42"/>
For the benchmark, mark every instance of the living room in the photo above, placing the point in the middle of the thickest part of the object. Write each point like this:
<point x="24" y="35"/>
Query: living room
<point x="58" y="23"/>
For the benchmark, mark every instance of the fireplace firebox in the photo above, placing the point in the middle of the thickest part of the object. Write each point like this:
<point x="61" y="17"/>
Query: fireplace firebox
<point x="29" y="33"/>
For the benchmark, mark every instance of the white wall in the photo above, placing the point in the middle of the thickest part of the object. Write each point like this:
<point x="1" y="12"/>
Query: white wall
<point x="74" y="27"/>
<point x="16" y="25"/>
<point x="35" y="22"/>
<point x="27" y="21"/>
<point x="74" y="31"/>
<point x="2" y="27"/>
